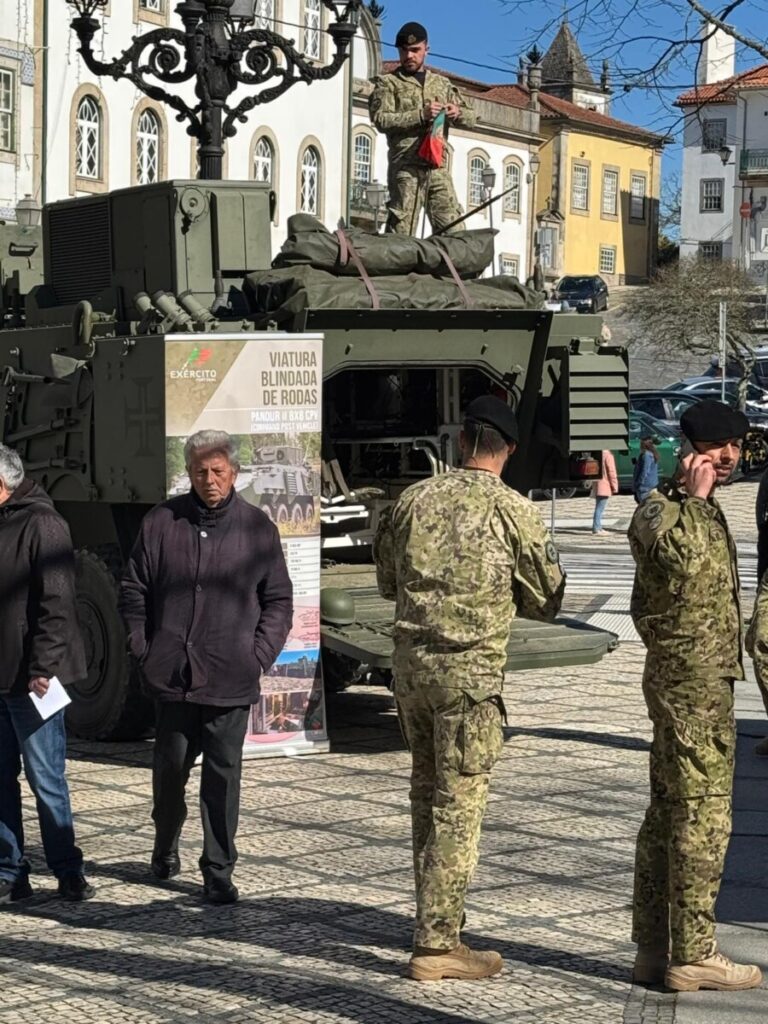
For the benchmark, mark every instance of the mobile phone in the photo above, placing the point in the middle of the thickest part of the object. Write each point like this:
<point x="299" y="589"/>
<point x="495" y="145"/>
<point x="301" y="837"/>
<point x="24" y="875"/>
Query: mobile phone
<point x="686" y="448"/>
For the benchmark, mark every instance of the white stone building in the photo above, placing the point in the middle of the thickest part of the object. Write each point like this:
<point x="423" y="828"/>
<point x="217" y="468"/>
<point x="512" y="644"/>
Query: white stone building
<point x="101" y="134"/>
<point x="724" y="212"/>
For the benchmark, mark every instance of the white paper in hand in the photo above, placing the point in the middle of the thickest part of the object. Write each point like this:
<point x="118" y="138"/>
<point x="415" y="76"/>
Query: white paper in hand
<point x="54" y="700"/>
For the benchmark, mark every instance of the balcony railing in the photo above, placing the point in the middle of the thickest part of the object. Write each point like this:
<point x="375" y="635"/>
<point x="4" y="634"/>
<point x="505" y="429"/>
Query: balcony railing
<point x="753" y="163"/>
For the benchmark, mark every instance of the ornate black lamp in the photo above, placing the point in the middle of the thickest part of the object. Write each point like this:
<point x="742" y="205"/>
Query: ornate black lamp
<point x="219" y="52"/>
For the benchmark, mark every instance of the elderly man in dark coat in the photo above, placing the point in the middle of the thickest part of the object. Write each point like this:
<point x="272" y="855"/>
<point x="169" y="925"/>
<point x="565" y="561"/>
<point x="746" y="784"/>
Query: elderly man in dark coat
<point x="39" y="639"/>
<point x="207" y="603"/>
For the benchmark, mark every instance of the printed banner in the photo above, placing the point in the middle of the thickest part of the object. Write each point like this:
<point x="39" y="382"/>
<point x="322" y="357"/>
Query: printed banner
<point x="265" y="390"/>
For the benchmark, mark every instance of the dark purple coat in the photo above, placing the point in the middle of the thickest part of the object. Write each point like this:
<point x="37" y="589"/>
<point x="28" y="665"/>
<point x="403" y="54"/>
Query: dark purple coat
<point x="207" y="600"/>
<point x="39" y="633"/>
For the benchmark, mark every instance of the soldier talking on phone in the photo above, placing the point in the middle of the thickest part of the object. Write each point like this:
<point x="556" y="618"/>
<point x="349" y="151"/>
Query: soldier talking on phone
<point x="685" y="605"/>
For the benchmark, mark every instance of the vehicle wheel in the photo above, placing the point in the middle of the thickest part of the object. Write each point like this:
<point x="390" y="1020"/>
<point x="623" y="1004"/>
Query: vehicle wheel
<point x="594" y="306"/>
<point x="339" y="672"/>
<point x="268" y="511"/>
<point x="281" y="514"/>
<point x="562" y="492"/>
<point x="108" y="703"/>
<point x="297" y="515"/>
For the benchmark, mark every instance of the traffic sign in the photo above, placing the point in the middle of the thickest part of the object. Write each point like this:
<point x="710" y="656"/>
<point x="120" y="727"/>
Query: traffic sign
<point x="746" y="209"/>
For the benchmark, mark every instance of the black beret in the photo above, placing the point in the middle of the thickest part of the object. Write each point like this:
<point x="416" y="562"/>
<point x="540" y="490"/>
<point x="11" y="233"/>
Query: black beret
<point x="410" y="34"/>
<point x="713" y="421"/>
<point x="492" y="412"/>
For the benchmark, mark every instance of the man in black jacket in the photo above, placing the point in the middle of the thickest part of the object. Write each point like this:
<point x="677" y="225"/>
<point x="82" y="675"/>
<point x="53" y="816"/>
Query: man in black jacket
<point x="39" y="639"/>
<point x="207" y="603"/>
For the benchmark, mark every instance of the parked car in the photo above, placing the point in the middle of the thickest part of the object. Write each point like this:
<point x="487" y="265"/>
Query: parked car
<point x="712" y="387"/>
<point x="585" y="294"/>
<point x="668" y="446"/>
<point x="664" y="406"/>
<point x="758" y="374"/>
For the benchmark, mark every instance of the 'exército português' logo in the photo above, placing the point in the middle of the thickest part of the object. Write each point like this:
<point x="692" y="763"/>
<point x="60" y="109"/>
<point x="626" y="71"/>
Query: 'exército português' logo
<point x="194" y="367"/>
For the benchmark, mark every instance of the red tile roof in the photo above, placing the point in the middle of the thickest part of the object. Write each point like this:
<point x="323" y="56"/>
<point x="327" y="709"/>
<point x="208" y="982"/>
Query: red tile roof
<point x="725" y="91"/>
<point x="551" y="106"/>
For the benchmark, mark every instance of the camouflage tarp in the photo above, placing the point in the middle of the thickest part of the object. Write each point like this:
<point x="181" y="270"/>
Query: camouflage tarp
<point x="283" y="294"/>
<point x="310" y="243"/>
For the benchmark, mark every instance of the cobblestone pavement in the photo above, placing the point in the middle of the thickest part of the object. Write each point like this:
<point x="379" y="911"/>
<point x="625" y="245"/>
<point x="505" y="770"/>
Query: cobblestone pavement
<point x="322" y="931"/>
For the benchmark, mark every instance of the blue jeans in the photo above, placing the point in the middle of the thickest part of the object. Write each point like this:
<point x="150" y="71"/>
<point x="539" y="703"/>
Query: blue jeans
<point x="42" y="746"/>
<point x="597" y="518"/>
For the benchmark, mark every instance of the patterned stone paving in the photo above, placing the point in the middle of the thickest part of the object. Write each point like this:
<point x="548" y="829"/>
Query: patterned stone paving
<point x="323" y="927"/>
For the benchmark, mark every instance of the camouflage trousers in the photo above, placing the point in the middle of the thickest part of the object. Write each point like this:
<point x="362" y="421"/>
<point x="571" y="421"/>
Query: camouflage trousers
<point x="762" y="686"/>
<point x="454" y="741"/>
<point x="683" y="840"/>
<point x="411" y="189"/>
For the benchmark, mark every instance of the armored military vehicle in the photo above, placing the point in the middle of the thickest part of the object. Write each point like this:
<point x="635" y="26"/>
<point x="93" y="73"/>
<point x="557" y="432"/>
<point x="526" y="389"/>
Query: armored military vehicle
<point x="281" y="483"/>
<point x="82" y="377"/>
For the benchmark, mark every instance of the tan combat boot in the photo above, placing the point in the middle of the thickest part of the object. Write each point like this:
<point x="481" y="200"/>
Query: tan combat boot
<point x="716" y="971"/>
<point x="761" y="748"/>
<point x="462" y="962"/>
<point x="651" y="965"/>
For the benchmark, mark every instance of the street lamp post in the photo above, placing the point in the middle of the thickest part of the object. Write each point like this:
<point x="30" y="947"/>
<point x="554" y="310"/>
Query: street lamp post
<point x="376" y="196"/>
<point x="28" y="212"/>
<point x="489" y="183"/>
<point x="534" y="165"/>
<point x="217" y="51"/>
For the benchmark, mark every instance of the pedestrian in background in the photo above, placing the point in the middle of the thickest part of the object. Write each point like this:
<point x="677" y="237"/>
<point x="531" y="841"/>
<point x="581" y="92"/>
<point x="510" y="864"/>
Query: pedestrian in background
<point x="461" y="554"/>
<point x="685" y="606"/>
<point x="39" y="640"/>
<point x="602" y="489"/>
<point x="645" y="477"/>
<point x="207" y="603"/>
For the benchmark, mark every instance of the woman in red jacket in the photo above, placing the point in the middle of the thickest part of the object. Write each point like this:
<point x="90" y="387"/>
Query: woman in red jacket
<point x="602" y="489"/>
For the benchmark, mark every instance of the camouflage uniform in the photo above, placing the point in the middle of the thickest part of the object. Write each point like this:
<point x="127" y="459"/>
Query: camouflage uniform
<point x="757" y="639"/>
<point x="397" y="109"/>
<point x="461" y="554"/>
<point x="685" y="605"/>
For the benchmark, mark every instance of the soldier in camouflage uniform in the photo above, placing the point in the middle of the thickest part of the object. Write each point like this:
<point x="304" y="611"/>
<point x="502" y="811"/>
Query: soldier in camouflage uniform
<point x="685" y="605"/>
<point x="461" y="554"/>
<point x="758" y="633"/>
<point x="403" y="106"/>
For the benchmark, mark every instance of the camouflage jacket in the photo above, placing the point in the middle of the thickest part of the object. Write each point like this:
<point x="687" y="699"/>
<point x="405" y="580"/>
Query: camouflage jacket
<point x="685" y="602"/>
<point x="757" y="634"/>
<point x="397" y="109"/>
<point x="462" y="554"/>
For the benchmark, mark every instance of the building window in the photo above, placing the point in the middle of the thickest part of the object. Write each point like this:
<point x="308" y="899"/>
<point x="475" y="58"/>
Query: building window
<point x="263" y="160"/>
<point x="7" y="110"/>
<point x="713" y="135"/>
<point x="711" y="195"/>
<point x="547" y="241"/>
<point x="610" y="205"/>
<point x="312" y="28"/>
<point x="264" y="13"/>
<point x="88" y="139"/>
<point x="510" y="265"/>
<point x="155" y="6"/>
<point x="607" y="259"/>
<point x="147" y="148"/>
<point x="711" y="250"/>
<point x="310" y="181"/>
<point x="363" y="157"/>
<point x="512" y="181"/>
<point x="580" y="187"/>
<point x="477" y="165"/>
<point x="637" y="197"/>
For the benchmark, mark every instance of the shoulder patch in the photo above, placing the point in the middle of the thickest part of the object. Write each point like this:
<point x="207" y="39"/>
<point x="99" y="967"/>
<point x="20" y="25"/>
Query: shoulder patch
<point x="653" y="509"/>
<point x="654" y="517"/>
<point x="551" y="552"/>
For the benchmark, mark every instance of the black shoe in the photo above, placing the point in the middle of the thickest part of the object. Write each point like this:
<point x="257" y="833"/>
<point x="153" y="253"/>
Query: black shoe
<point x="13" y="890"/>
<point x="165" y="866"/>
<point x="75" y="888"/>
<point x="219" y="890"/>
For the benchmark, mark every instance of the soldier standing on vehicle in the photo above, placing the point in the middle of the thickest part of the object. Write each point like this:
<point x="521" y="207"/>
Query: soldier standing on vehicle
<point x="461" y="554"/>
<point x="685" y="605"/>
<point x="403" y="106"/>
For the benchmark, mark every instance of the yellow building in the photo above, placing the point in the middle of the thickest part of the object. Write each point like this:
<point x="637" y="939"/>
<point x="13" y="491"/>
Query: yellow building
<point x="598" y="185"/>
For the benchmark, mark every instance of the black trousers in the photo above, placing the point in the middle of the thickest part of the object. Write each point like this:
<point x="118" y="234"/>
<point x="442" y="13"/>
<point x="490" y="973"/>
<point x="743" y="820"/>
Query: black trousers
<point x="183" y="732"/>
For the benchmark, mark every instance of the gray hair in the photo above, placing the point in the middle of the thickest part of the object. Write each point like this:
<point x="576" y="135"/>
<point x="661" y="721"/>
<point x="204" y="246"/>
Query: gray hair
<point x="211" y="441"/>
<point x="11" y="467"/>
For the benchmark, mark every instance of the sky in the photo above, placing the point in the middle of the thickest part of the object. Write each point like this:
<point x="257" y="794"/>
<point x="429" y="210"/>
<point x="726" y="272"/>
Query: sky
<point x="631" y="35"/>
